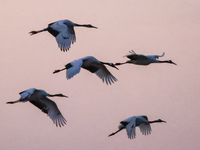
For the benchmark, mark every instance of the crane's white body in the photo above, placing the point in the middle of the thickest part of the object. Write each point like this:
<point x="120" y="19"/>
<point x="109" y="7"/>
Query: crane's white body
<point x="77" y="64"/>
<point x="75" y="69"/>
<point x="136" y="121"/>
<point x="133" y="122"/>
<point x="25" y="95"/>
<point x="40" y="100"/>
<point x="63" y="31"/>
<point x="91" y="64"/>
<point x="66" y="34"/>
<point x="139" y="59"/>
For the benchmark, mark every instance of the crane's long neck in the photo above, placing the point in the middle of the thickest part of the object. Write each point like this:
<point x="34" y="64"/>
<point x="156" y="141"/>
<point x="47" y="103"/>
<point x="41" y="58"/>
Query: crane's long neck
<point x="163" y="61"/>
<point x="155" y="121"/>
<point x="82" y="25"/>
<point x="58" y="95"/>
<point x="85" y="25"/>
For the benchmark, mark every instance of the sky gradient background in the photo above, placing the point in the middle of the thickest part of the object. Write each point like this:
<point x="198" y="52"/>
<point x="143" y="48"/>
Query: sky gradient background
<point x="94" y="109"/>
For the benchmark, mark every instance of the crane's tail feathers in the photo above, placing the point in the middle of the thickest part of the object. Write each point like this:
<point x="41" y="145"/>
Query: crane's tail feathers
<point x="162" y="54"/>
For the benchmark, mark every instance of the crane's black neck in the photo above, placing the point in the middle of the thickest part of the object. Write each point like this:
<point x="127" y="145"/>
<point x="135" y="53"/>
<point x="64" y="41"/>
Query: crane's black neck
<point x="167" y="61"/>
<point x="163" y="61"/>
<point x="58" y="95"/>
<point x="85" y="25"/>
<point x="155" y="121"/>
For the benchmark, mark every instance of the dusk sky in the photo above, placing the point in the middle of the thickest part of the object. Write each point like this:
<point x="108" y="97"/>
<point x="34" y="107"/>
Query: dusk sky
<point x="94" y="109"/>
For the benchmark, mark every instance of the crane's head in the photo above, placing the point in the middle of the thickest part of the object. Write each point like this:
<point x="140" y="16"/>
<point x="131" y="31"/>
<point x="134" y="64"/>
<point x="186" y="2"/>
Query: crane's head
<point x="159" y="120"/>
<point x="171" y="62"/>
<point x="90" y="26"/>
<point x="61" y="95"/>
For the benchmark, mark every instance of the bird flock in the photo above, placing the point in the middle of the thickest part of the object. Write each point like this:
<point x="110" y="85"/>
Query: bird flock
<point x="63" y="31"/>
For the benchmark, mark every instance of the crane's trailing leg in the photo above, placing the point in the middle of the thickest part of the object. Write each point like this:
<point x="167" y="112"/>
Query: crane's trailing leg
<point x="35" y="32"/>
<point x="12" y="102"/>
<point x="117" y="64"/>
<point x="56" y="71"/>
<point x="114" y="132"/>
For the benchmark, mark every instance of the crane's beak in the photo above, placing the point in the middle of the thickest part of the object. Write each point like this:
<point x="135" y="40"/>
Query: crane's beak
<point x="65" y="96"/>
<point x="94" y="27"/>
<point x="174" y="63"/>
<point x="115" y="67"/>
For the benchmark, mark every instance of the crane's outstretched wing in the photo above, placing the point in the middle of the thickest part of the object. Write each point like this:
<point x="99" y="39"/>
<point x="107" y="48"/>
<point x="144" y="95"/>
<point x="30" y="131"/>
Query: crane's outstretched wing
<point x="105" y="75"/>
<point x="65" y="35"/>
<point x="100" y="70"/>
<point x="50" y="108"/>
<point x="134" y="56"/>
<point x="130" y="128"/>
<point x="145" y="128"/>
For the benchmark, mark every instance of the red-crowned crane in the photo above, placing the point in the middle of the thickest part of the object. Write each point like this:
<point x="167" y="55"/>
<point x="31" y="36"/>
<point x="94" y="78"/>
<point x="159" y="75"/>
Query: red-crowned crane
<point x="131" y="123"/>
<point x="63" y="31"/>
<point x="91" y="64"/>
<point x="139" y="59"/>
<point x="39" y="99"/>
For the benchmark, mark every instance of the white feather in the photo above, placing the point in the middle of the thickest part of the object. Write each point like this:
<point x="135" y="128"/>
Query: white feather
<point x="26" y="94"/>
<point x="40" y="100"/>
<point x="130" y="128"/>
<point x="75" y="69"/>
<point x="155" y="56"/>
<point x="65" y="37"/>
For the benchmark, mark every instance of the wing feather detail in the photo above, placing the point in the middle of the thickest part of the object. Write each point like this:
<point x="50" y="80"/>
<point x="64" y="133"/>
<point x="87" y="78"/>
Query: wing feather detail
<point x="50" y="108"/>
<point x="104" y="74"/>
<point x="66" y="35"/>
<point x="130" y="128"/>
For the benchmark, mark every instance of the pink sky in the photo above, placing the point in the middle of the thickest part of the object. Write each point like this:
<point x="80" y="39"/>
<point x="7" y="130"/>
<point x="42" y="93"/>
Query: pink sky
<point x="93" y="109"/>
